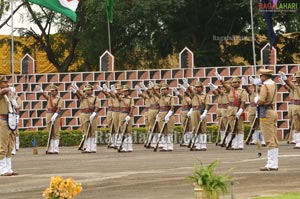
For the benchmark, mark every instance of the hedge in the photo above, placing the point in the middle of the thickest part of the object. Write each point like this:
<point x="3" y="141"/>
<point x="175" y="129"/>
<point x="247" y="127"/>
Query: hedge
<point x="73" y="137"/>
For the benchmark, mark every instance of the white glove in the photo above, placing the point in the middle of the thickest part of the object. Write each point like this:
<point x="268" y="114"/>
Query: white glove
<point x="139" y="90"/>
<point x="17" y="118"/>
<point x="256" y="98"/>
<point x="73" y="90"/>
<point x="151" y="84"/>
<point x="75" y="86"/>
<point x="105" y="88"/>
<point x="167" y="117"/>
<point x="127" y="118"/>
<point x="185" y="83"/>
<point x="143" y="86"/>
<point x="12" y="90"/>
<point x="282" y="82"/>
<point x="239" y="113"/>
<point x="113" y="89"/>
<point x="203" y="116"/>
<point x="282" y="75"/>
<point x="183" y="89"/>
<point x="212" y="87"/>
<point x="175" y="91"/>
<point x="39" y="88"/>
<point x="251" y="79"/>
<point x="53" y="118"/>
<point x="189" y="113"/>
<point x="99" y="88"/>
<point x="244" y="82"/>
<point x="257" y="81"/>
<point x="219" y="77"/>
<point x="92" y="117"/>
<point x="14" y="102"/>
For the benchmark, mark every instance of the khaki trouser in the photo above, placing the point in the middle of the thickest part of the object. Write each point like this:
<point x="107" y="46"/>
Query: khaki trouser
<point x="290" y="112"/>
<point x="169" y="128"/>
<point x="122" y="123"/>
<point x="231" y="112"/>
<point x="183" y="119"/>
<point x="109" y="121"/>
<point x="115" y="121"/>
<point x="6" y="140"/>
<point x="196" y="119"/>
<point x="222" y="118"/>
<point x="55" y="128"/>
<point x="152" y="117"/>
<point x="146" y="119"/>
<point x="296" y="117"/>
<point x="268" y="127"/>
<point x="85" y="121"/>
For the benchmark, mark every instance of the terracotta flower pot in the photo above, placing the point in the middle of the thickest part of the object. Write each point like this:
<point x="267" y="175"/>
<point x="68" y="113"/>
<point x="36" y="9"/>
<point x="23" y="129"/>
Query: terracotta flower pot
<point x="200" y="193"/>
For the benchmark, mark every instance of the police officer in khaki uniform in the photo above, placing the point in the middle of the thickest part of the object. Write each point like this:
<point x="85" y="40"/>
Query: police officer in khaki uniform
<point x="165" y="117"/>
<point x="237" y="98"/>
<point x="222" y="104"/>
<point x="6" y="134"/>
<point x="17" y="104"/>
<point x="295" y="87"/>
<point x="268" y="116"/>
<point x="126" y="119"/>
<point x="89" y="105"/>
<point x="200" y="101"/>
<point x="185" y="113"/>
<point x="54" y="105"/>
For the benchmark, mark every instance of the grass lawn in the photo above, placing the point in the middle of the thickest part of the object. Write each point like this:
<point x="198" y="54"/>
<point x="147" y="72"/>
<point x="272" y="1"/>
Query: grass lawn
<point x="283" y="196"/>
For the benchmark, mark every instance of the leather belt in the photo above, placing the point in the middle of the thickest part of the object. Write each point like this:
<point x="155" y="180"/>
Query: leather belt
<point x="252" y="104"/>
<point x="296" y="102"/>
<point x="124" y="110"/>
<point x="154" y="106"/>
<point x="233" y="104"/>
<point x="87" y="110"/>
<point x="164" y="108"/>
<point x="3" y="117"/>
<point x="196" y="108"/>
<point x="115" y="109"/>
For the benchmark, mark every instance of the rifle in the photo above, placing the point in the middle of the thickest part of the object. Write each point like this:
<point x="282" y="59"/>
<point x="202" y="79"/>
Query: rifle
<point x="251" y="130"/>
<point x="290" y="132"/>
<point x="193" y="140"/>
<point x="160" y="136"/>
<point x="186" y="122"/>
<point x="150" y="135"/>
<point x="233" y="133"/>
<point x="218" y="132"/>
<point x="110" y="135"/>
<point x="223" y="143"/>
<point x="84" y="137"/>
<point x="123" y="137"/>
<point x="49" y="137"/>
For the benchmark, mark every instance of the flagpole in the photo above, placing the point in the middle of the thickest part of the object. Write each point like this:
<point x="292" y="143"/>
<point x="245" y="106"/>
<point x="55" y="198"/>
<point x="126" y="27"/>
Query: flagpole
<point x="12" y="42"/>
<point x="108" y="32"/>
<point x="253" y="38"/>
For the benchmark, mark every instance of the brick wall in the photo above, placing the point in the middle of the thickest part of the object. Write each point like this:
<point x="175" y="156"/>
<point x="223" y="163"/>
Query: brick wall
<point x="33" y="108"/>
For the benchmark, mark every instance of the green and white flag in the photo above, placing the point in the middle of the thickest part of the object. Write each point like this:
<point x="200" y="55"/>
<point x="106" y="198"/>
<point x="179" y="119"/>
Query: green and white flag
<point x="65" y="7"/>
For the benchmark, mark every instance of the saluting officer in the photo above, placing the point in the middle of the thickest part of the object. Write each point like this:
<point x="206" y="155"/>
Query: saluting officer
<point x="200" y="103"/>
<point x="126" y="119"/>
<point x="237" y="98"/>
<point x="165" y="117"/>
<point x="268" y="116"/>
<point x="6" y="134"/>
<point x="89" y="105"/>
<point x="295" y="87"/>
<point x="54" y="105"/>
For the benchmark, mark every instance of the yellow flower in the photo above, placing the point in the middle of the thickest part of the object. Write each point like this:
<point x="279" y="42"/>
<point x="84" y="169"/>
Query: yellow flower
<point x="62" y="189"/>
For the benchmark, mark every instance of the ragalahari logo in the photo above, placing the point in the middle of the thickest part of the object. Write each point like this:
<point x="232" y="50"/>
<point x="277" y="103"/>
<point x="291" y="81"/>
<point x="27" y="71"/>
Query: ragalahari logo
<point x="70" y="4"/>
<point x="275" y="6"/>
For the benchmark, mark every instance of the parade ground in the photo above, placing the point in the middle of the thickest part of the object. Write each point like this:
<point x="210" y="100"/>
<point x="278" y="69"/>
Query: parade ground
<point x="149" y="175"/>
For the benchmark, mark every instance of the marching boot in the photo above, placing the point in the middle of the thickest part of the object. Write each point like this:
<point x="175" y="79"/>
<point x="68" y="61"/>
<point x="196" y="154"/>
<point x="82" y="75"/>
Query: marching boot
<point x="118" y="140"/>
<point x="17" y="143"/>
<point x="88" y="145"/>
<point x="222" y="135"/>
<point x="51" y="148"/>
<point x="186" y="138"/>
<point x="124" y="147"/>
<point x="14" y="151"/>
<point x="154" y="140"/>
<point x="112" y="140"/>
<point x="170" y="145"/>
<point x="161" y="142"/>
<point x="293" y="137"/>
<point x="203" y="138"/>
<point x="197" y="144"/>
<point x="9" y="167"/>
<point x="56" y="146"/>
<point x="254" y="137"/>
<point x="93" y="145"/>
<point x="272" y="162"/>
<point x="228" y="138"/>
<point x="240" y="141"/>
<point x="297" y="140"/>
<point x="164" y="141"/>
<point x="3" y="168"/>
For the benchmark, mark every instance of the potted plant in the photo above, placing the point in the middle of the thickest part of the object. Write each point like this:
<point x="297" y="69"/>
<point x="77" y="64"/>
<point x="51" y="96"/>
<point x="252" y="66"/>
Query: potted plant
<point x="207" y="183"/>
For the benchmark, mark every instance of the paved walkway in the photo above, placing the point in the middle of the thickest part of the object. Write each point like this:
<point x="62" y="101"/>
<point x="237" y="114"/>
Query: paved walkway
<point x="145" y="174"/>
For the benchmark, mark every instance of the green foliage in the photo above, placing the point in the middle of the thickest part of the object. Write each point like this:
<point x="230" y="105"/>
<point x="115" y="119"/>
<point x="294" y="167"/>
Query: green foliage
<point x="283" y="196"/>
<point x="206" y="178"/>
